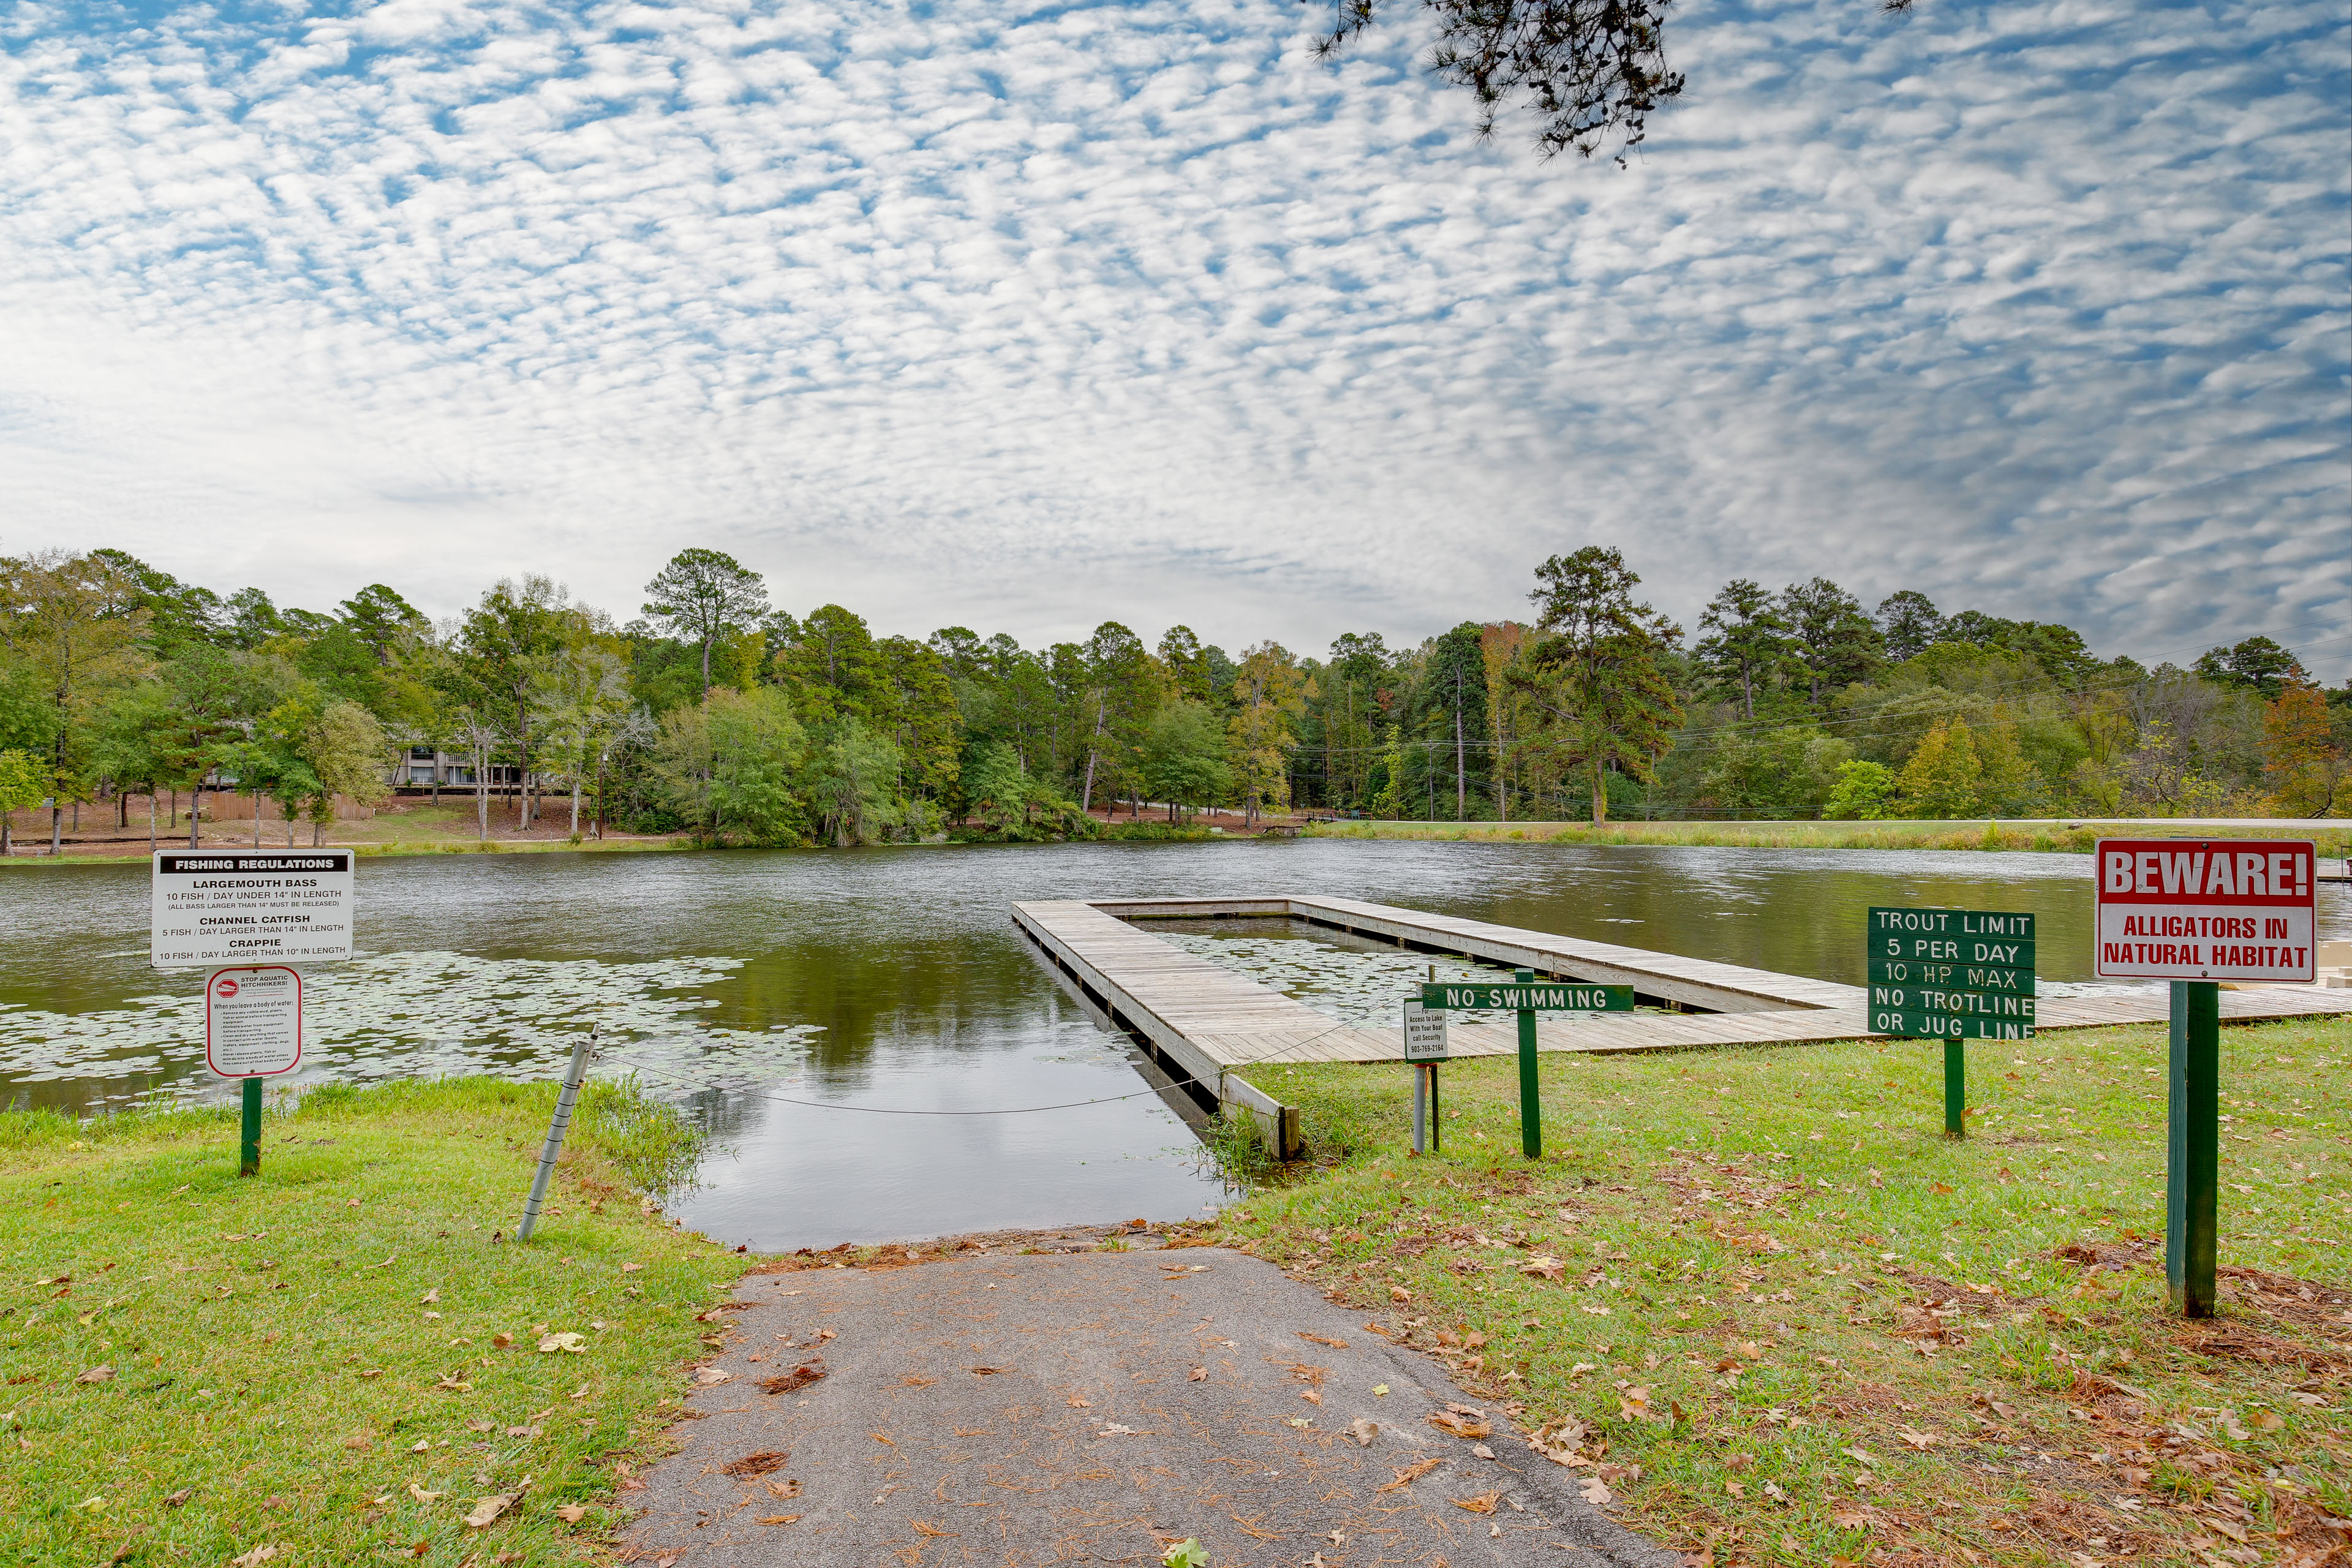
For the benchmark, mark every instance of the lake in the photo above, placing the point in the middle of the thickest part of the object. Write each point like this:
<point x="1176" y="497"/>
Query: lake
<point x="882" y="986"/>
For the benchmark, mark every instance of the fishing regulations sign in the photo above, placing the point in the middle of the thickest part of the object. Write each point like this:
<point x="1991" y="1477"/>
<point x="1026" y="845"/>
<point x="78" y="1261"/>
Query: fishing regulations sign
<point x="215" y="907"/>
<point x="2188" y="908"/>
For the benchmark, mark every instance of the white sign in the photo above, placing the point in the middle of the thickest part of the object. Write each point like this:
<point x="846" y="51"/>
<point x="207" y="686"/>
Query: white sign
<point x="2197" y="909"/>
<point x="1424" y="1033"/>
<point x="214" y="907"/>
<point x="253" y="1021"/>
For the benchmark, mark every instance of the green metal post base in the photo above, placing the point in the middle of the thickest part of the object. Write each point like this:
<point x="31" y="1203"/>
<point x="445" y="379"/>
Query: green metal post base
<point x="2193" y="1154"/>
<point x="1956" y="1089"/>
<point x="1530" y="1108"/>
<point x="249" y="1149"/>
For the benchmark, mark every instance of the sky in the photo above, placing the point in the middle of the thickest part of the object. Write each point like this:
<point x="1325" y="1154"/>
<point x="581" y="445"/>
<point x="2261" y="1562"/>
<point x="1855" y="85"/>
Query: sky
<point x="1027" y="317"/>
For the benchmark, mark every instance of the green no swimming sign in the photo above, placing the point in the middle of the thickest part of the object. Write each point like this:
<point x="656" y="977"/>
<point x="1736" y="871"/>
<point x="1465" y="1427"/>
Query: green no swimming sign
<point x="1538" y="997"/>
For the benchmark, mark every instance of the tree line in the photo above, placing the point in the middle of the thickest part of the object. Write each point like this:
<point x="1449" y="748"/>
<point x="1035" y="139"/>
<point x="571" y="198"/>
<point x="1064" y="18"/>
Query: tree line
<point x="712" y="710"/>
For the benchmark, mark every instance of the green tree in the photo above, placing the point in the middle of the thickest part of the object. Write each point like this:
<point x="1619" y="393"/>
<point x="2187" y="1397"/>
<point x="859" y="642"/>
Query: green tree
<point x="134" y="735"/>
<point x="1834" y="642"/>
<point x="702" y="593"/>
<point x="344" y="748"/>
<point x="1944" y="779"/>
<point x="853" y="772"/>
<point x="1864" y="792"/>
<point x="1122" y="688"/>
<point x="1270" y="693"/>
<point x="1908" y="624"/>
<point x="507" y="643"/>
<point x="1183" y="756"/>
<point x="2256" y="665"/>
<point x="829" y="667"/>
<point x="915" y="710"/>
<point x="1596" y="676"/>
<point x="728" y="765"/>
<point x="1748" y="644"/>
<point x="999" y="788"/>
<point x="77" y="621"/>
<point x="580" y="696"/>
<point x="24" y="781"/>
<point x="1781" y="774"/>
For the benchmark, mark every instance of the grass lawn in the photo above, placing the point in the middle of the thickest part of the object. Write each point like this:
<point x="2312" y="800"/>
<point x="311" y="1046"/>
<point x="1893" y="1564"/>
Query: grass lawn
<point x="1978" y="834"/>
<point x="340" y="1359"/>
<point x="1761" y="1301"/>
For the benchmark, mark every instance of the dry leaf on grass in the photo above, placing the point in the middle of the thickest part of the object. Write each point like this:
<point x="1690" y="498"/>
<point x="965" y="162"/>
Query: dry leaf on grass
<point x="486" y="1509"/>
<point x="572" y="1513"/>
<point x="758" y="1463"/>
<point x="255" y="1558"/>
<point x="1399" y="1293"/>
<point x="1482" y="1503"/>
<point x="1545" y="1268"/>
<point x="99" y="1374"/>
<point x="1923" y="1441"/>
<point x="1595" y="1489"/>
<point x="574" y="1344"/>
<point x="1410" y="1474"/>
<point x="420" y="1495"/>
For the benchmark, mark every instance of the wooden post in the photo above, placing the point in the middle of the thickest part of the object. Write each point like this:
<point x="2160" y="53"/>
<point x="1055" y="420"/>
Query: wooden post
<point x="2193" y="1154"/>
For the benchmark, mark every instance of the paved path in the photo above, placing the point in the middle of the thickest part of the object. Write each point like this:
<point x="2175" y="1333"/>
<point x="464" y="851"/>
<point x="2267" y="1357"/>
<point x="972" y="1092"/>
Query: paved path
<point x="1010" y="1410"/>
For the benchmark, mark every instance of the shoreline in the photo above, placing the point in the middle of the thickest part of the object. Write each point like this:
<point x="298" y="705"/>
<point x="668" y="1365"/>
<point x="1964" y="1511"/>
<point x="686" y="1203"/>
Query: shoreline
<point x="2065" y="835"/>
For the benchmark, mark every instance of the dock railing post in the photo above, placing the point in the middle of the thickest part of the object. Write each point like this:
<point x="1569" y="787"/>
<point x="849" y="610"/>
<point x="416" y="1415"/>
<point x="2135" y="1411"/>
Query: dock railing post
<point x="1530" y="1108"/>
<point x="565" y="1098"/>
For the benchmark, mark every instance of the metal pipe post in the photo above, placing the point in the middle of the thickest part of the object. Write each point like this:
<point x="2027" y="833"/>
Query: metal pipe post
<point x="1421" y="1108"/>
<point x="249" y="1145"/>
<point x="565" y="1098"/>
<point x="1530" y="1109"/>
<point x="1956" y="1089"/>
<point x="2193" y="1154"/>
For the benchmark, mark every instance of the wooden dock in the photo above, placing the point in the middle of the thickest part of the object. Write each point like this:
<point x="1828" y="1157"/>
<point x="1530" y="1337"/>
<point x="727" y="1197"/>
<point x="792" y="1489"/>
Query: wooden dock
<point x="1209" y="1022"/>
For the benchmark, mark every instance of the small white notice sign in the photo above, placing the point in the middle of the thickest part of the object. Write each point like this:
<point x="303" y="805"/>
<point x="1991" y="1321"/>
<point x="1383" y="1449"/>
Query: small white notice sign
<point x="253" y="1021"/>
<point x="212" y="907"/>
<point x="1425" y="1033"/>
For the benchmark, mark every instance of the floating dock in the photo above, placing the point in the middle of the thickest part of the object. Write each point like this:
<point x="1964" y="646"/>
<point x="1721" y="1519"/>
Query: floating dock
<point x="1205" y="1023"/>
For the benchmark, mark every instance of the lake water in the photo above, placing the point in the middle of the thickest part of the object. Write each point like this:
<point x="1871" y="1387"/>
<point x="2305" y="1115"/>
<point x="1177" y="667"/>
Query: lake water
<point x="884" y="986"/>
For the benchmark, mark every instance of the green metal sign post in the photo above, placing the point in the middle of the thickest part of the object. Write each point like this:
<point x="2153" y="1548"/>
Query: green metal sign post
<point x="1951" y="976"/>
<point x="2194" y="1147"/>
<point x="249" y="1144"/>
<point x="1526" y="996"/>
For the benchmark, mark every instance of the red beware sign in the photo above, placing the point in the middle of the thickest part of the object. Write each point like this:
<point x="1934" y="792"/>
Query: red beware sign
<point x="2188" y="908"/>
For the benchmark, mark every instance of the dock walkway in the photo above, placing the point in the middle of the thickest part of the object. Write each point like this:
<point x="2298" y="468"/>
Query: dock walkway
<point x="1212" y="1022"/>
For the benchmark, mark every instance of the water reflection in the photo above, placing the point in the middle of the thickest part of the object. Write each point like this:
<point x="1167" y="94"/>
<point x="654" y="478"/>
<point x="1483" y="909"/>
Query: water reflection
<point x="892" y="980"/>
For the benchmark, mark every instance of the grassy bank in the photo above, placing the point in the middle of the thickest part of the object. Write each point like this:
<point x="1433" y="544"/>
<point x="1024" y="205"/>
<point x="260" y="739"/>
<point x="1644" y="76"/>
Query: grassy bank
<point x="2059" y="836"/>
<point x="1761" y="1300"/>
<point x="342" y="1358"/>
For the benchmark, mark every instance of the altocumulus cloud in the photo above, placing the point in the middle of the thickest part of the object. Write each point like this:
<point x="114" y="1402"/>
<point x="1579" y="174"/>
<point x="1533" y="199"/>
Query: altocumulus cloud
<point x="1024" y="316"/>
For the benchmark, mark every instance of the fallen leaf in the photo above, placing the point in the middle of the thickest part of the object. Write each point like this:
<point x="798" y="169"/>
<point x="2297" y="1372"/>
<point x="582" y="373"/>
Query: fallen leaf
<point x="1198" y="1374"/>
<point x="572" y="1513"/>
<point x="1363" y="1431"/>
<point x="1399" y="1293"/>
<point x="1312" y="1395"/>
<point x="500" y="1342"/>
<point x="1870" y="1459"/>
<point x="772" y="1519"/>
<point x="429" y="1297"/>
<point x="801" y="1376"/>
<point x="178" y="1498"/>
<point x="1410" y="1474"/>
<point x="486" y="1509"/>
<point x="96" y="1375"/>
<point x="881" y="1439"/>
<point x="1482" y="1503"/>
<point x="255" y="1558"/>
<point x="1080" y="1402"/>
<point x="1595" y="1489"/>
<point x="786" y="1491"/>
<point x="1460" y="1426"/>
<point x="574" y="1344"/>
<point x="1850" y="1519"/>
<point x="1483" y="1451"/>
<point x="711" y="1376"/>
<point x="1734" y="1488"/>
<point x="481" y="1425"/>
<point x="1321" y="1340"/>
<point x="1380" y="1390"/>
<point x="420" y="1495"/>
<point x="1923" y="1441"/>
<point x="633" y="1268"/>
<point x="758" y="1463"/>
<point x="1116" y="1431"/>
<point x="453" y="1383"/>
<point x="1544" y="1267"/>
